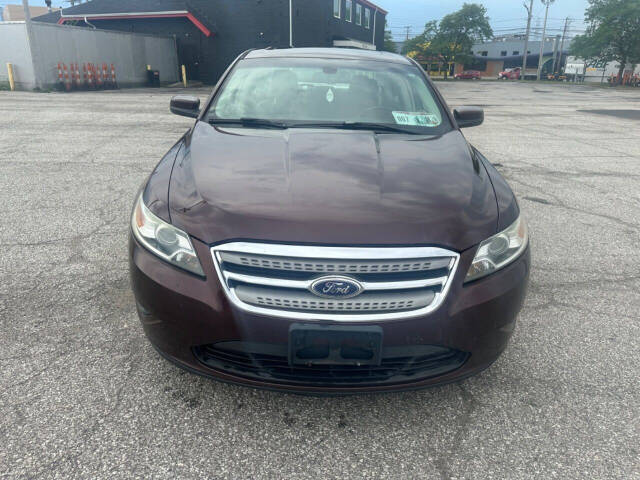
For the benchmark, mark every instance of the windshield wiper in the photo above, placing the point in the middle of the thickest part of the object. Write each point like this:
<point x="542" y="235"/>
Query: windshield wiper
<point x="265" y="123"/>
<point x="377" y="127"/>
<point x="249" y="122"/>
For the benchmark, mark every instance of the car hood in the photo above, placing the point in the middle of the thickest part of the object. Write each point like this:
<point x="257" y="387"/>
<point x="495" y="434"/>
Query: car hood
<point x="330" y="187"/>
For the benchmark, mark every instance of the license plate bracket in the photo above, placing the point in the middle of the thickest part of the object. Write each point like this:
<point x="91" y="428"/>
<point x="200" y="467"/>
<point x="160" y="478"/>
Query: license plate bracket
<point x="334" y="345"/>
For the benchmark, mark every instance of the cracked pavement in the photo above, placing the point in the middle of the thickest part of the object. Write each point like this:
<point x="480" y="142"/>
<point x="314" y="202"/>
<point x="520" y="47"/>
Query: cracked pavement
<point x="84" y="395"/>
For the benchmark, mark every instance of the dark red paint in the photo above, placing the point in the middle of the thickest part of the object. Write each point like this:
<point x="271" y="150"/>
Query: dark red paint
<point x="336" y="187"/>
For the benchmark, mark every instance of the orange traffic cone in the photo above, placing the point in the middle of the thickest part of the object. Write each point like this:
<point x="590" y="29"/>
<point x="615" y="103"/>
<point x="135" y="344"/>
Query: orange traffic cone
<point x="105" y="76"/>
<point x="113" y="77"/>
<point x="72" y="67"/>
<point x="67" y="80"/>
<point x="60" y="78"/>
<point x="78" y="79"/>
<point x="90" y="82"/>
<point x="98" y="77"/>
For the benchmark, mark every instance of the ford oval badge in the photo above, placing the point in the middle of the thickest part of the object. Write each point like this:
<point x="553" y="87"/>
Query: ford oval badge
<point x="336" y="287"/>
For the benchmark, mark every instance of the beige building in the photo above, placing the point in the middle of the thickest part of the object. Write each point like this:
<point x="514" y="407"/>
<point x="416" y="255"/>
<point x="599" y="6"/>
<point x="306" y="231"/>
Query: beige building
<point x="15" y="13"/>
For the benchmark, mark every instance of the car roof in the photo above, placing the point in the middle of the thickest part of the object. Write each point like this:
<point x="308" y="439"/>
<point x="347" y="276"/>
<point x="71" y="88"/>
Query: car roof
<point x="330" y="53"/>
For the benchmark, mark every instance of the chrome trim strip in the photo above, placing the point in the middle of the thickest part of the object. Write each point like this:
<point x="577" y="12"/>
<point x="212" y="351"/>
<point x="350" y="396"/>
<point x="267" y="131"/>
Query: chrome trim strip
<point x="305" y="284"/>
<point x="346" y="253"/>
<point x="338" y="253"/>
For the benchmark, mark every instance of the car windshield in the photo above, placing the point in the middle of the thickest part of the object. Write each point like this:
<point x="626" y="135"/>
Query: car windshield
<point x="332" y="93"/>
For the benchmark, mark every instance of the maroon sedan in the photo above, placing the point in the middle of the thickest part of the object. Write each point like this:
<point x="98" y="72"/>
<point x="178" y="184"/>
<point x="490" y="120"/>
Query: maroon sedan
<point x="324" y="227"/>
<point x="468" y="75"/>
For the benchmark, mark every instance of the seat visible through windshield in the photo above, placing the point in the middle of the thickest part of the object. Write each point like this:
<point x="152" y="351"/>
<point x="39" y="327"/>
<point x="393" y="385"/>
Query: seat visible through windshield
<point x="303" y="90"/>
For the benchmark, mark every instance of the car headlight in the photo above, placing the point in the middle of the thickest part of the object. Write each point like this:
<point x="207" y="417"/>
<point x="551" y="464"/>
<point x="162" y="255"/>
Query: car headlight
<point x="499" y="251"/>
<point x="164" y="240"/>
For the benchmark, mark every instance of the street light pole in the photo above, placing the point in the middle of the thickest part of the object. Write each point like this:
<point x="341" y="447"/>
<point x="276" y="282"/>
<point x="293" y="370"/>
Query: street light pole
<point x="544" y="33"/>
<point x="526" y="39"/>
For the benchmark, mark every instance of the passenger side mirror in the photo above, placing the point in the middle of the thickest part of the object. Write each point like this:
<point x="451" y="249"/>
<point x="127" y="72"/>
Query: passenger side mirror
<point x="185" y="105"/>
<point x="468" y="116"/>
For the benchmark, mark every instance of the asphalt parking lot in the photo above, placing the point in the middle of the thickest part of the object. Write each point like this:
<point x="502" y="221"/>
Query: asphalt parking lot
<point x="84" y="395"/>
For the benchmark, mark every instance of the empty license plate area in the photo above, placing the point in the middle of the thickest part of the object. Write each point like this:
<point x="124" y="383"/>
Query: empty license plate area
<point x="334" y="345"/>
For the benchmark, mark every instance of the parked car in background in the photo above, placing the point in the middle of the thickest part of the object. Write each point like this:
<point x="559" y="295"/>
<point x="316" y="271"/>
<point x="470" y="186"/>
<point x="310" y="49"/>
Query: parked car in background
<point x="468" y="75"/>
<point x="325" y="227"/>
<point x="510" y="74"/>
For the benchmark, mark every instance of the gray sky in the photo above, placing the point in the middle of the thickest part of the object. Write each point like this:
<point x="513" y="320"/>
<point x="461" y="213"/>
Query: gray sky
<point x="506" y="15"/>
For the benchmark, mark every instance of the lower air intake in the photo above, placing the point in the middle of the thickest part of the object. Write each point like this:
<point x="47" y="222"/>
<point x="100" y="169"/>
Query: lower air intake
<point x="269" y="362"/>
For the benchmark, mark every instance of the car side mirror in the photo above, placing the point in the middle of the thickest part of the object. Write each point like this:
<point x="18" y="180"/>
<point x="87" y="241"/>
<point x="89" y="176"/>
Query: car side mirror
<point x="185" y="105"/>
<point x="468" y="116"/>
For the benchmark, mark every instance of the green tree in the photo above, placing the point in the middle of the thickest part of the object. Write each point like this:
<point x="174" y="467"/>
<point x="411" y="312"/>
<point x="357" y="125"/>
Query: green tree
<point x="418" y="44"/>
<point x="613" y="34"/>
<point x="452" y="39"/>
<point x="389" y="44"/>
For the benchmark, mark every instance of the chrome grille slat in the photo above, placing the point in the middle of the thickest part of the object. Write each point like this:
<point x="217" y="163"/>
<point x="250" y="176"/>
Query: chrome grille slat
<point x="305" y="284"/>
<point x="275" y="279"/>
<point x="303" y="300"/>
<point x="334" y="266"/>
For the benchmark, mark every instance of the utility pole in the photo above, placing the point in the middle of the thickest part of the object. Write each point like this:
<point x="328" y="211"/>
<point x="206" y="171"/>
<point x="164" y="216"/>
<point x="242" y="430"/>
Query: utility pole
<point x="291" y="23"/>
<point x="526" y="38"/>
<point x="27" y="13"/>
<point x="544" y="33"/>
<point x="556" y="42"/>
<point x="567" y="21"/>
<point x="408" y="29"/>
<point x="30" y="41"/>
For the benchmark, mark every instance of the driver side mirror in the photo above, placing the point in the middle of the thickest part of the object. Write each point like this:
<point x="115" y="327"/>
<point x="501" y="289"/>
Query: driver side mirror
<point x="185" y="105"/>
<point x="468" y="116"/>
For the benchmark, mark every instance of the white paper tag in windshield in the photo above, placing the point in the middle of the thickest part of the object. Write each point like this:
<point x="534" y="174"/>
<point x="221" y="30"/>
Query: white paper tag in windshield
<point x="416" y="119"/>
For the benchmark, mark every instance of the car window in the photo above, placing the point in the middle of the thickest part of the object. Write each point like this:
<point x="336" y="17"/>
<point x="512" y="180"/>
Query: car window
<point x="304" y="90"/>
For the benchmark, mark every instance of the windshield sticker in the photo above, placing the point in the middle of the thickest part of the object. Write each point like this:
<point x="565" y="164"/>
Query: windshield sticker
<point x="330" y="96"/>
<point x="417" y="119"/>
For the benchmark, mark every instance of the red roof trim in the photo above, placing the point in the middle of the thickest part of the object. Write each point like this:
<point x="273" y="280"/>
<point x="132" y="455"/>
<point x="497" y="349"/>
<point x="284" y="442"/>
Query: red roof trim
<point x="373" y="5"/>
<point x="199" y="25"/>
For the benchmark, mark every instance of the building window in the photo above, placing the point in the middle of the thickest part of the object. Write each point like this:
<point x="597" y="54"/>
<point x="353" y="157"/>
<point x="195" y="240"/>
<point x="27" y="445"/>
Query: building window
<point x="337" y="6"/>
<point x="484" y="54"/>
<point x="503" y="53"/>
<point x="516" y="52"/>
<point x="358" y="14"/>
<point x="348" y="13"/>
<point x="367" y="18"/>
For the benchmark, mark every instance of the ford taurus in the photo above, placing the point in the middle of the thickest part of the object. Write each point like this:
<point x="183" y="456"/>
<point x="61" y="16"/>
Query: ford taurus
<point x="325" y="227"/>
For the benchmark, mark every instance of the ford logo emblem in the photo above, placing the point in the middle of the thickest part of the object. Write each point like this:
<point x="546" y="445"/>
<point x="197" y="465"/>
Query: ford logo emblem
<point x="336" y="287"/>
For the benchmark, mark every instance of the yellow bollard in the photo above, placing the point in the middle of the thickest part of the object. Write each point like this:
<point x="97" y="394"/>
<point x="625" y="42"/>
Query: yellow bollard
<point x="184" y="76"/>
<point x="12" y="82"/>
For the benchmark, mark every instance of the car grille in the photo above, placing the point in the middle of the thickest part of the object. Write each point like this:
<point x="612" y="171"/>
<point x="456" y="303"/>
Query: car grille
<point x="269" y="362"/>
<point x="275" y="279"/>
<point x="331" y="266"/>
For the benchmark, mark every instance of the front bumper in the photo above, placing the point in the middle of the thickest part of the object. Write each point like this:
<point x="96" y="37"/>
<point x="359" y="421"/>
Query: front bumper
<point x="181" y="313"/>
